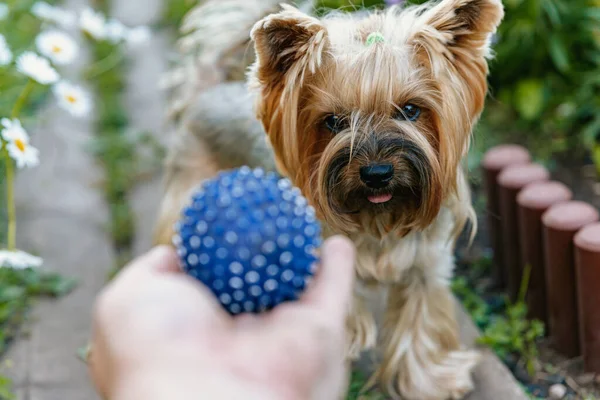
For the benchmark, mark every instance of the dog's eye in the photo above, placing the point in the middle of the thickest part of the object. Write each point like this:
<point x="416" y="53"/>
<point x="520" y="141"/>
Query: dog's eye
<point x="335" y="123"/>
<point x="409" y="112"/>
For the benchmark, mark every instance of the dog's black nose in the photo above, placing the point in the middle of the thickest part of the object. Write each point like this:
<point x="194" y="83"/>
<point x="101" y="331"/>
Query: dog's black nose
<point x="377" y="176"/>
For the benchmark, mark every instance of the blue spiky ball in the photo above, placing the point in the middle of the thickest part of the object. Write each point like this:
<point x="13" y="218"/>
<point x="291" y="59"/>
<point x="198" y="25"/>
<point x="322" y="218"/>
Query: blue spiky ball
<point x="251" y="237"/>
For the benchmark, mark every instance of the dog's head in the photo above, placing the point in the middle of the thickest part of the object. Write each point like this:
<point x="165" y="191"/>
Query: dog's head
<point x="371" y="117"/>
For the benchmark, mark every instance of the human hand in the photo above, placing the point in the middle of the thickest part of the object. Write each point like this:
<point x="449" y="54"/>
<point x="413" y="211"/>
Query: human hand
<point x="159" y="334"/>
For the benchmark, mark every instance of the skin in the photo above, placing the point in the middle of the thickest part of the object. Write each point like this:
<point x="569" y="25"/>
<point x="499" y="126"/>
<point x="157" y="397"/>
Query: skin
<point x="159" y="334"/>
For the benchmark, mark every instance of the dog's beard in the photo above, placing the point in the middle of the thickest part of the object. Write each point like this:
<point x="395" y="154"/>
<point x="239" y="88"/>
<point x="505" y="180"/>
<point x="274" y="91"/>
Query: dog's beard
<point x="347" y="203"/>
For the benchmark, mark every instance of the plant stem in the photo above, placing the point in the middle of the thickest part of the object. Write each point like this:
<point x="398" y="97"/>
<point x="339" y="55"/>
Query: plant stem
<point x="10" y="172"/>
<point x="10" y="202"/>
<point x="104" y="65"/>
<point x="524" y="283"/>
<point x="22" y="99"/>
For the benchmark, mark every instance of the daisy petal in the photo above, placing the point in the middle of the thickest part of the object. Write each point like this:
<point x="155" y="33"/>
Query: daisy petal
<point x="13" y="130"/>
<point x="94" y="23"/>
<point x="73" y="98"/>
<point x="24" y="154"/>
<point x="51" y="13"/>
<point x="19" y="260"/>
<point x="37" y="68"/>
<point x="6" y="55"/>
<point x="57" y="46"/>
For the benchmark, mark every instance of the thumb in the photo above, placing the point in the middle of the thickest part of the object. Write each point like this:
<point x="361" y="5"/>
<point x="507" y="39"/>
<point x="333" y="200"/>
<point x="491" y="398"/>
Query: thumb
<point x="332" y="289"/>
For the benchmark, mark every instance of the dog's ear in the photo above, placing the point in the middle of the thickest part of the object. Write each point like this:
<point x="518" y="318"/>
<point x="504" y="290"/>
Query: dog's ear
<point x="462" y="27"/>
<point x="288" y="45"/>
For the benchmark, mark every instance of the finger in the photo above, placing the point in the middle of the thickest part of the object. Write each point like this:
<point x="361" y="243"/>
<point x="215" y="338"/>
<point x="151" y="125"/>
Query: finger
<point x="159" y="260"/>
<point x="332" y="289"/>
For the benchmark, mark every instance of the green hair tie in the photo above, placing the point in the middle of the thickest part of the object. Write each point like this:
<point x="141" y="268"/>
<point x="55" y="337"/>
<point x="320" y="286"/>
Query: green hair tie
<point x="375" y="37"/>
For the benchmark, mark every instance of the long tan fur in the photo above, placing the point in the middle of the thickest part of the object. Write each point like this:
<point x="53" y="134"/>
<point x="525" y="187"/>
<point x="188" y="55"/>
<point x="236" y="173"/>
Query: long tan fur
<point x="307" y="69"/>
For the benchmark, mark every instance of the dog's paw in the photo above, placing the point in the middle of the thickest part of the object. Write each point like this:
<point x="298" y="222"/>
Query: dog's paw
<point x="460" y="382"/>
<point x="412" y="379"/>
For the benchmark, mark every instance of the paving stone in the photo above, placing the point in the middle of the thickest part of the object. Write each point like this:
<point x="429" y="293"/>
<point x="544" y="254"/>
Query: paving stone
<point x="15" y="363"/>
<point x="63" y="392"/>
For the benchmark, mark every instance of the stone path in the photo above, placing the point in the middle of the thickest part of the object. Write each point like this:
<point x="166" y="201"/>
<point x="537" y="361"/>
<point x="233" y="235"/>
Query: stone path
<point x="63" y="217"/>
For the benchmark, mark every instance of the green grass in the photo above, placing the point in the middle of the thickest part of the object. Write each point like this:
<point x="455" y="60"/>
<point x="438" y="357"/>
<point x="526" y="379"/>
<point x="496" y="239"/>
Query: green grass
<point x="357" y="383"/>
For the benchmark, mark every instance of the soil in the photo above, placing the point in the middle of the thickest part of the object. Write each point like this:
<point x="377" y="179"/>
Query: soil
<point x="552" y="368"/>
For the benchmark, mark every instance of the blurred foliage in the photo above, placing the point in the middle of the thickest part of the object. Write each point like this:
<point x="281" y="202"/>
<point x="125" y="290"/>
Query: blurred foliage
<point x="513" y="334"/>
<point x="545" y="79"/>
<point x="349" y="5"/>
<point x="472" y="301"/>
<point x="6" y="392"/>
<point x="355" y="391"/>
<point x="175" y="10"/>
<point x="19" y="29"/>
<point x="18" y="288"/>
<point x="125" y="155"/>
<point x="108" y="147"/>
<point x="3" y="210"/>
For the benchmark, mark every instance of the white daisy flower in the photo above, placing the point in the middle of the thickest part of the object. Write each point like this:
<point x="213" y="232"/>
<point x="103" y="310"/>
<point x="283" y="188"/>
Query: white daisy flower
<point x="6" y="55"/>
<point x="13" y="130"/>
<point x="57" y="46"/>
<point x="94" y="23"/>
<point x="37" y="68"/>
<point x="115" y="31"/>
<point x="3" y="10"/>
<point x="73" y="98"/>
<point x="19" y="260"/>
<point x="17" y="144"/>
<point x="51" y="13"/>
<point x="24" y="154"/>
<point x="139" y="35"/>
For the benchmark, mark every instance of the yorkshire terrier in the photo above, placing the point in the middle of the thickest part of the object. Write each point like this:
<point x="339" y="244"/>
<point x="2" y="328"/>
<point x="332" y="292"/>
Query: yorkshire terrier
<point x="371" y="116"/>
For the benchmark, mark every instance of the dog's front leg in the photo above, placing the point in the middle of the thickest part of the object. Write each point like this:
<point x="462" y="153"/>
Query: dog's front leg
<point x="422" y="358"/>
<point x="361" y="328"/>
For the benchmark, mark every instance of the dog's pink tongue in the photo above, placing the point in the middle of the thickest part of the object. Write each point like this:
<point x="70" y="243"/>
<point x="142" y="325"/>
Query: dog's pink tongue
<point x="384" y="198"/>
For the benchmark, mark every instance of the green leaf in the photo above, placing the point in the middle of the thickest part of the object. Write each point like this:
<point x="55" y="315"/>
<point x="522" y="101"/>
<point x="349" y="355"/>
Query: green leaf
<point x="559" y="53"/>
<point x="513" y="3"/>
<point x="552" y="12"/>
<point x="591" y="133"/>
<point x="58" y="286"/>
<point x="6" y="392"/>
<point x="11" y="293"/>
<point x="529" y="98"/>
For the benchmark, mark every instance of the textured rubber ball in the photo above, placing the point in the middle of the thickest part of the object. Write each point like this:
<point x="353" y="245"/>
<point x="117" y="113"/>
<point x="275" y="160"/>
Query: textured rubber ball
<point x="250" y="237"/>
